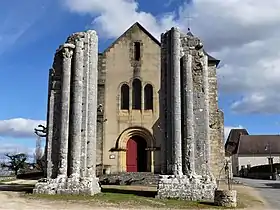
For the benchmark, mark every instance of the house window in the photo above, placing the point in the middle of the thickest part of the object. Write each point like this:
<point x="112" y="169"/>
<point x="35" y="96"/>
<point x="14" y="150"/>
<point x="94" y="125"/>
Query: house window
<point x="136" y="94"/>
<point x="125" y="97"/>
<point x="148" y="97"/>
<point x="137" y="51"/>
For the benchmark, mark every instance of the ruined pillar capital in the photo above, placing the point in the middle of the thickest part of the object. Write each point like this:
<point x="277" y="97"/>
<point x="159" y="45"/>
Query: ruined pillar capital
<point x="66" y="50"/>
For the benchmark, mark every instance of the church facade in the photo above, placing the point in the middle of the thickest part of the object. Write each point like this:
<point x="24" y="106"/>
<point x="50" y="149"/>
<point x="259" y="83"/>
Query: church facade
<point x="129" y="134"/>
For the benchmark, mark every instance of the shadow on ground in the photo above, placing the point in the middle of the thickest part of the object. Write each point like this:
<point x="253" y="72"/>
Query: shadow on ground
<point x="27" y="188"/>
<point x="271" y="185"/>
<point x="142" y="193"/>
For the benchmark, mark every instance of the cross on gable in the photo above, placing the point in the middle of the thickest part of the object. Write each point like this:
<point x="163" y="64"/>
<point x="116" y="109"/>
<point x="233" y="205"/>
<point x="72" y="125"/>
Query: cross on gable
<point x="189" y="19"/>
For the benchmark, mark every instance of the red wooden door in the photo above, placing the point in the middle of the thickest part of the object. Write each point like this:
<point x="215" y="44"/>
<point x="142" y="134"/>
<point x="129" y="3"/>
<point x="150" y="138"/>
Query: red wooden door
<point x="131" y="156"/>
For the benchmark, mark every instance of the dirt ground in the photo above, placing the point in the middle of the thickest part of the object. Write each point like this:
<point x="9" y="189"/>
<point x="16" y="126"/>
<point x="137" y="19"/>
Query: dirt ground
<point x="14" y="200"/>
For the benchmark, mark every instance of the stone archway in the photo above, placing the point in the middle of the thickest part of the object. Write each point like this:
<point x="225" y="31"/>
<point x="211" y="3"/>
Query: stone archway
<point x="136" y="138"/>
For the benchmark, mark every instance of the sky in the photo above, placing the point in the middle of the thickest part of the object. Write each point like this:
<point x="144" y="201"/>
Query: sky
<point x="243" y="34"/>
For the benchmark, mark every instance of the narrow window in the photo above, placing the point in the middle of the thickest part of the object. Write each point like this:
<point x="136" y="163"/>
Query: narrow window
<point x="125" y="97"/>
<point x="136" y="94"/>
<point x="137" y="51"/>
<point x="148" y="94"/>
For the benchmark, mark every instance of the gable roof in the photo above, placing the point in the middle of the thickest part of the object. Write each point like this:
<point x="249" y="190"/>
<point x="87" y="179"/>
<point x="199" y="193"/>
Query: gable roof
<point x="137" y="24"/>
<point x="232" y="143"/>
<point x="259" y="145"/>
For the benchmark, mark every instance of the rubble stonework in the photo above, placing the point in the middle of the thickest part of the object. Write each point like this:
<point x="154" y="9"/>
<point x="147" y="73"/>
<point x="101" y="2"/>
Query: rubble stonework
<point x="72" y="118"/>
<point x="186" y="123"/>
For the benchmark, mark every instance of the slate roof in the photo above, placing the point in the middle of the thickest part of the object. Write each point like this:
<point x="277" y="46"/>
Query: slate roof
<point x="210" y="58"/>
<point x="259" y="144"/>
<point x="240" y="142"/>
<point x="231" y="146"/>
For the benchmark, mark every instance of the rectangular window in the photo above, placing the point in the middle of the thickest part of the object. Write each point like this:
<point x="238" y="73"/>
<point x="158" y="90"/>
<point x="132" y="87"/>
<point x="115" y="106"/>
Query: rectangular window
<point x="137" y="51"/>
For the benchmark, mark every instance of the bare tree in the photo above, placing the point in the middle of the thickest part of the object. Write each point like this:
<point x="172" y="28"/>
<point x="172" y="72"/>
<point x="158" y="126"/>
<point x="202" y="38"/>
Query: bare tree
<point x="15" y="162"/>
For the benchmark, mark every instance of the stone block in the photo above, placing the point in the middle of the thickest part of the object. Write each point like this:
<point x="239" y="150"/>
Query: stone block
<point x="69" y="186"/>
<point x="225" y="198"/>
<point x="192" y="188"/>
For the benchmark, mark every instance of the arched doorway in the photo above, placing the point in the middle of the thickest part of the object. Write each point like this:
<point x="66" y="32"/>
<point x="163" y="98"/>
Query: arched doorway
<point x="136" y="154"/>
<point x="135" y="139"/>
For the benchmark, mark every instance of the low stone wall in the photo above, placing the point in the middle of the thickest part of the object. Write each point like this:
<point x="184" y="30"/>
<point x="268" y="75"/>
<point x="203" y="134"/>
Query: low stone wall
<point x="130" y="178"/>
<point x="194" y="188"/>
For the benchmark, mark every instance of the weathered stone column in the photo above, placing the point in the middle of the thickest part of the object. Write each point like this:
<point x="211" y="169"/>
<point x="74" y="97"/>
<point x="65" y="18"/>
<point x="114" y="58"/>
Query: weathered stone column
<point x="85" y="108"/>
<point x="67" y="52"/>
<point x="76" y="108"/>
<point x="50" y="118"/>
<point x="92" y="104"/>
<point x="206" y="111"/>
<point x="168" y="85"/>
<point x="162" y="104"/>
<point x="176" y="103"/>
<point x="189" y="153"/>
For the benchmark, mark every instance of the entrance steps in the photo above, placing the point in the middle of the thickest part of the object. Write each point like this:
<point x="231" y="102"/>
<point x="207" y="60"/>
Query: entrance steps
<point x="130" y="178"/>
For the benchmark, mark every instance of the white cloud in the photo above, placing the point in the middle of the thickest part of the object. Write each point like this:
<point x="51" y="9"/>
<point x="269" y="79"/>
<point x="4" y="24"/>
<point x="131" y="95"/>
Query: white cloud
<point x="244" y="34"/>
<point x="228" y="129"/>
<point x="19" y="127"/>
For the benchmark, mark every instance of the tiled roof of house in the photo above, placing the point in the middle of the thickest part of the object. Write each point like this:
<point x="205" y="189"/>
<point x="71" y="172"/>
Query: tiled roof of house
<point x="259" y="144"/>
<point x="232" y="142"/>
<point x="240" y="142"/>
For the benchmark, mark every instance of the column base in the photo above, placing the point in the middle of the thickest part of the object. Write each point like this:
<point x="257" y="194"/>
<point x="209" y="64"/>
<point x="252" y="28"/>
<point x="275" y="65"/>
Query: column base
<point x="68" y="186"/>
<point x="185" y="187"/>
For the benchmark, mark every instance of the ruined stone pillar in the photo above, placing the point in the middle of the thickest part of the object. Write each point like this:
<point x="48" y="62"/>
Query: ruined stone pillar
<point x="76" y="113"/>
<point x="76" y="109"/>
<point x="92" y="103"/>
<point x="67" y="52"/>
<point x="168" y="84"/>
<point x="176" y="102"/>
<point x="162" y="126"/>
<point x="188" y="89"/>
<point x="85" y="108"/>
<point x="189" y="150"/>
<point x="206" y="112"/>
<point x="50" y="119"/>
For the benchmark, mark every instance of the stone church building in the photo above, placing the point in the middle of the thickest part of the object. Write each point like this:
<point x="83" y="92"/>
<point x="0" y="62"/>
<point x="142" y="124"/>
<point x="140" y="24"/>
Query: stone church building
<point x="128" y="129"/>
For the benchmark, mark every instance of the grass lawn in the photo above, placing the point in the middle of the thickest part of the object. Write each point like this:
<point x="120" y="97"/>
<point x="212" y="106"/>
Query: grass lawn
<point x="141" y="197"/>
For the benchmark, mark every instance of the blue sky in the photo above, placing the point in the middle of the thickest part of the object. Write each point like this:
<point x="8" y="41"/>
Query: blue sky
<point x="31" y="30"/>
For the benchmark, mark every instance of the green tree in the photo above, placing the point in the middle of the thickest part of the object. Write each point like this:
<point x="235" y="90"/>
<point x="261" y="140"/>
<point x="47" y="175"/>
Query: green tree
<point x="16" y="162"/>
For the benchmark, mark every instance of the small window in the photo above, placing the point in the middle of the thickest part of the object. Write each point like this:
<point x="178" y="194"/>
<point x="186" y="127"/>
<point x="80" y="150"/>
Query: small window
<point x="125" y="97"/>
<point x="136" y="94"/>
<point x="137" y="51"/>
<point x="148" y="96"/>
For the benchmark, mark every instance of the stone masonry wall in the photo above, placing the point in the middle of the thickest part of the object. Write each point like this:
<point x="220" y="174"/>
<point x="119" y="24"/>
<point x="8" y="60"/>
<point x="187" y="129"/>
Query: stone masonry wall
<point x="216" y="126"/>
